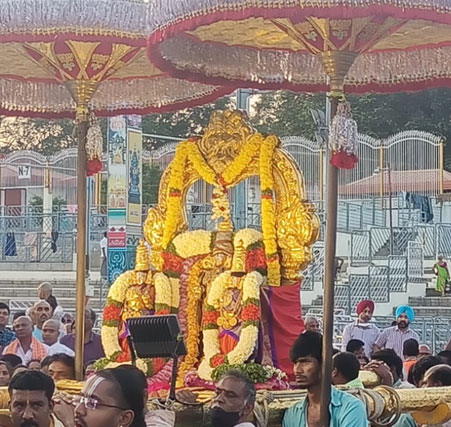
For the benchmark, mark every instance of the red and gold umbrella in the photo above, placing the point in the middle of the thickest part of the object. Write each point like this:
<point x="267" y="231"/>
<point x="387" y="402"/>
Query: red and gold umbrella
<point x="381" y="46"/>
<point x="309" y="45"/>
<point x="63" y="58"/>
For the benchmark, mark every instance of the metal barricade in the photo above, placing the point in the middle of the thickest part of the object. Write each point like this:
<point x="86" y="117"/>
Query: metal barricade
<point x="415" y="261"/>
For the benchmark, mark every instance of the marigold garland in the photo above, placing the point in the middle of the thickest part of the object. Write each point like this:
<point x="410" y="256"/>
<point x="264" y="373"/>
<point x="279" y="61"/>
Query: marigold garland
<point x="268" y="210"/>
<point x="244" y="158"/>
<point x="177" y="169"/>
<point x="163" y="294"/>
<point x="188" y="150"/>
<point x="112" y="314"/>
<point x="250" y="315"/>
<point x="193" y="331"/>
<point x="200" y="165"/>
<point x="175" y="294"/>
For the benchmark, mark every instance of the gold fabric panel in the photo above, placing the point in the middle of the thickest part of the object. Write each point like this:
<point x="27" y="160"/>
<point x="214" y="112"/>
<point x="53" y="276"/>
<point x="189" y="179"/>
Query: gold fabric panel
<point x="264" y="34"/>
<point x="13" y="57"/>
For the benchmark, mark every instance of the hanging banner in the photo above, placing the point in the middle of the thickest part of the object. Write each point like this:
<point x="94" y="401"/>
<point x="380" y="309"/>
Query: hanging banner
<point x="117" y="196"/>
<point x="134" y="198"/>
<point x="124" y="192"/>
<point x="117" y="163"/>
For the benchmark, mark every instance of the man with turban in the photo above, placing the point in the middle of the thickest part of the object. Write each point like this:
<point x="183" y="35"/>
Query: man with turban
<point x="395" y="336"/>
<point x="362" y="329"/>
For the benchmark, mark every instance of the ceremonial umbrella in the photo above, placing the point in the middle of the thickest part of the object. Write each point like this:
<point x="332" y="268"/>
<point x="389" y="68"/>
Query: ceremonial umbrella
<point x="66" y="58"/>
<point x="342" y="46"/>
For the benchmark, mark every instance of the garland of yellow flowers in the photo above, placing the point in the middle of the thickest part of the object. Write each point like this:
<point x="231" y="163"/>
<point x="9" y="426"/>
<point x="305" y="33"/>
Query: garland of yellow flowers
<point x="188" y="150"/>
<point x="164" y="304"/>
<point x="250" y="314"/>
<point x="192" y="321"/>
<point x="268" y="210"/>
<point x="175" y="194"/>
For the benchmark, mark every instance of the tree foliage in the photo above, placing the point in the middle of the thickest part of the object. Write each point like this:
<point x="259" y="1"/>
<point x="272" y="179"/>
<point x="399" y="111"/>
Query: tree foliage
<point x="183" y="123"/>
<point x="380" y="116"/>
<point x="151" y="180"/>
<point x="286" y="113"/>
<point x="281" y="113"/>
<point x="44" y="136"/>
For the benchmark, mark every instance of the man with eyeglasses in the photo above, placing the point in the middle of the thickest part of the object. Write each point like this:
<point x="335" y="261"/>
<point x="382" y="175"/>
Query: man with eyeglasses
<point x="31" y="405"/>
<point x="93" y="349"/>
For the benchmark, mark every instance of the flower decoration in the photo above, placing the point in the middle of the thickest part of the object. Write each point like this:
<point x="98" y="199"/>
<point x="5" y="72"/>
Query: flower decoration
<point x="94" y="142"/>
<point x="249" y="317"/>
<point x="343" y="138"/>
<point x="112" y="315"/>
<point x="268" y="210"/>
<point x="172" y="264"/>
<point x="192" y="334"/>
<point x="182" y="245"/>
<point x="163" y="294"/>
<point x="177" y="168"/>
<point x="175" y="294"/>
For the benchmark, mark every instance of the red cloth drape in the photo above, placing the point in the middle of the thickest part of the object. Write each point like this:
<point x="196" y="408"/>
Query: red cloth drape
<point x="282" y="323"/>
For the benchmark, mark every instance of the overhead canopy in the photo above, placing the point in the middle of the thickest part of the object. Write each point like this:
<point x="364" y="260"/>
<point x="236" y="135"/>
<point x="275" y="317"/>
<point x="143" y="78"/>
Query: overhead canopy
<point x="405" y="45"/>
<point x="49" y="47"/>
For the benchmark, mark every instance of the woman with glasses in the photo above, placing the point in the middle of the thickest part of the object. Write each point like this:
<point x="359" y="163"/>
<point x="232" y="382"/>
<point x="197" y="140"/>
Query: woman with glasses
<point x="110" y="398"/>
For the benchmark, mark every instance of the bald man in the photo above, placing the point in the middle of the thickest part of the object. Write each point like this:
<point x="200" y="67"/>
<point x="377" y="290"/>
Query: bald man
<point x="50" y="335"/>
<point x="40" y="313"/>
<point x="25" y="345"/>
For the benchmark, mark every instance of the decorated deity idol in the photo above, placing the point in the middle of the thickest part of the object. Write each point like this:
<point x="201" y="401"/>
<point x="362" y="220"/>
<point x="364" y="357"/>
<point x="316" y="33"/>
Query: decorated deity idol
<point x="228" y="287"/>
<point x="230" y="323"/>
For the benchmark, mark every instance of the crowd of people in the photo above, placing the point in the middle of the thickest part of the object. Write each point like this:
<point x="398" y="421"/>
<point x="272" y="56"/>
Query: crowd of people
<point x="42" y="338"/>
<point x="39" y="350"/>
<point x="395" y="354"/>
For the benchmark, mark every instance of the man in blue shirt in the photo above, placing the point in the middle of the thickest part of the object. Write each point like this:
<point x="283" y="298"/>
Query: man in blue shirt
<point x="7" y="336"/>
<point x="344" y="409"/>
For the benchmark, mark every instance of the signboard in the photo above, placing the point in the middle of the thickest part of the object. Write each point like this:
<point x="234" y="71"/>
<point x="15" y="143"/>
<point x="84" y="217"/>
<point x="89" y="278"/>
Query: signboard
<point x="24" y="172"/>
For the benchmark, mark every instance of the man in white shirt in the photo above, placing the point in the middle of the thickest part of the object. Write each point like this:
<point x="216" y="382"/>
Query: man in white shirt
<point x="234" y="401"/>
<point x="362" y="329"/>
<point x="25" y="345"/>
<point x="50" y="335"/>
<point x="40" y="313"/>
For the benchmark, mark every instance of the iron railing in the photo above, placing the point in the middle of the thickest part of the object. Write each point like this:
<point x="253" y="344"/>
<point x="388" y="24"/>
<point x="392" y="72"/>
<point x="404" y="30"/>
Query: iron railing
<point x="30" y="247"/>
<point x="315" y="270"/>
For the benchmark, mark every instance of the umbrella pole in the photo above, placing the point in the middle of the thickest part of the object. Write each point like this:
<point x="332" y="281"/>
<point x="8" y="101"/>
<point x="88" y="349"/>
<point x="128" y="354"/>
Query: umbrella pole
<point x="82" y="129"/>
<point x="329" y="284"/>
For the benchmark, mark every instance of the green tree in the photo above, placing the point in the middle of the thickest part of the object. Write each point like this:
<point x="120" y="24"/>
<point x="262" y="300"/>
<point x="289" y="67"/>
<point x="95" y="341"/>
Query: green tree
<point x="44" y="136"/>
<point x="151" y="181"/>
<point x="181" y="124"/>
<point x="286" y="113"/>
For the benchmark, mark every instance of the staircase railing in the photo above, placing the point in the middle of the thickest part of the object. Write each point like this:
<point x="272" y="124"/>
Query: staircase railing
<point x="415" y="261"/>
<point x="360" y="247"/>
<point x="444" y="239"/>
<point x="397" y="273"/>
<point x="315" y="271"/>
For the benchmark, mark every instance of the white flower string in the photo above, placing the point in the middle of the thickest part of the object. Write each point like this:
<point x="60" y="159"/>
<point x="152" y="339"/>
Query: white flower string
<point x="343" y="138"/>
